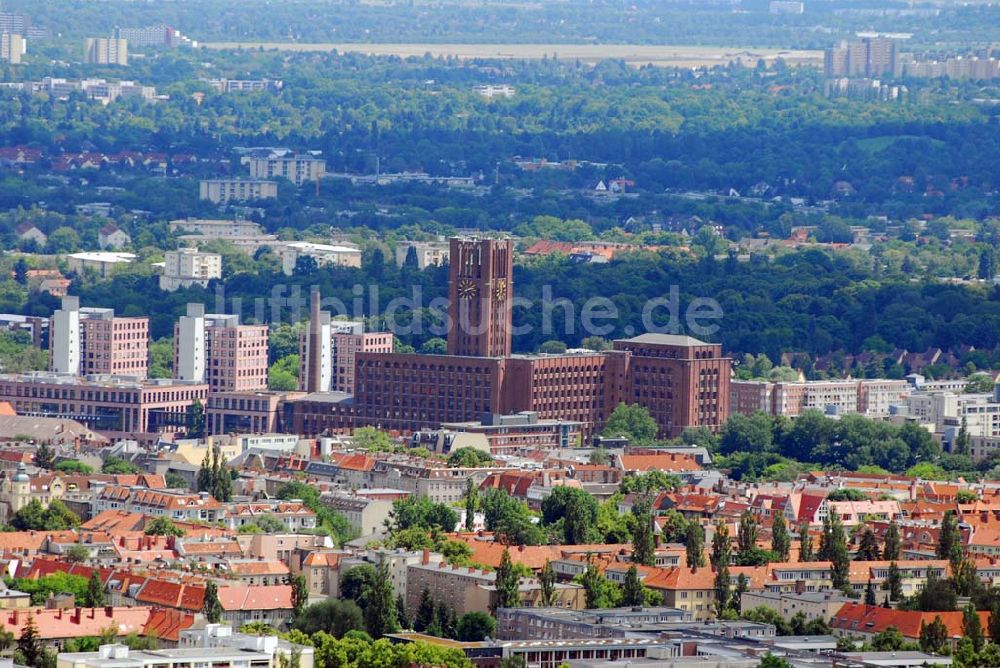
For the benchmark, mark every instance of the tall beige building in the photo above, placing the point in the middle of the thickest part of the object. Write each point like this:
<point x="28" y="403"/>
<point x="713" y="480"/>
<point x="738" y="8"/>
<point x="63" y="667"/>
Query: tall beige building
<point x="105" y="51"/>
<point x="12" y="47"/>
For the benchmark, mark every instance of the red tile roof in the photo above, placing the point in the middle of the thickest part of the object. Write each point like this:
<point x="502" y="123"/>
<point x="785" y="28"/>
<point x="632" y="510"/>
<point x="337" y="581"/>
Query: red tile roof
<point x="56" y="624"/>
<point x="257" y="597"/>
<point x="859" y="618"/>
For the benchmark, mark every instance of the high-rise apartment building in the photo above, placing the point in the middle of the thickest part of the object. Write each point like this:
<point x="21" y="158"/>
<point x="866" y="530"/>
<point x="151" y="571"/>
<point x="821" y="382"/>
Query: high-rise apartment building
<point x="12" y="47"/>
<point x="338" y="343"/>
<point x="298" y="169"/>
<point x="86" y="341"/>
<point x="868" y="57"/>
<point x="479" y="294"/>
<point x="216" y="349"/>
<point x="105" y="51"/>
<point x="221" y="191"/>
<point x="185" y="267"/>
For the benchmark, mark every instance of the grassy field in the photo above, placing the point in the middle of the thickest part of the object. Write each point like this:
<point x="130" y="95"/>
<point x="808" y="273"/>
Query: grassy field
<point x="661" y="56"/>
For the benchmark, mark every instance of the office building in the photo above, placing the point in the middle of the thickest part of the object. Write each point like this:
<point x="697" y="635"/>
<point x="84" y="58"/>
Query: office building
<point x="298" y="169"/>
<point x="112" y="405"/>
<point x="223" y="191"/>
<point x="87" y="341"/>
<point x="105" y="51"/>
<point x="259" y="412"/>
<point x="682" y="381"/>
<point x="338" y="343"/>
<point x="12" y="47"/>
<point x="185" y="267"/>
<point x="218" y="350"/>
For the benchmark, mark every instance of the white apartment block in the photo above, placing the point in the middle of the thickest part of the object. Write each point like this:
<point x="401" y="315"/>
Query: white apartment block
<point x="833" y="397"/>
<point x="324" y="254"/>
<point x="429" y="253"/>
<point x="221" y="191"/>
<point x="216" y="229"/>
<point x="298" y="169"/>
<point x="946" y="410"/>
<point x="185" y="267"/>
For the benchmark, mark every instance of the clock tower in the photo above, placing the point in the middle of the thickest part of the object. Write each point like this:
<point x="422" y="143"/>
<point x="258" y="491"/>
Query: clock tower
<point x="479" y="291"/>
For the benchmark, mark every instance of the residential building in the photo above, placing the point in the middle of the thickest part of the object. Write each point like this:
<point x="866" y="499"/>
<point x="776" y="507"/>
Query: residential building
<point x="89" y="341"/>
<point x="105" y="51"/>
<point x="471" y="589"/>
<point x="813" y="605"/>
<point x="324" y="255"/>
<point x="852" y="513"/>
<point x="185" y="267"/>
<point x="216" y="229"/>
<point x="112" y="237"/>
<point x="293" y="514"/>
<point x="179" y="506"/>
<point x="103" y="263"/>
<point x="12" y="47"/>
<point x="27" y="232"/>
<point x="120" y="656"/>
<point x="872" y="398"/>
<point x="218" y="350"/>
<point x="786" y="7"/>
<point x="223" y="191"/>
<point x="490" y="91"/>
<point x="298" y="169"/>
<point x="115" y="406"/>
<point x="245" y="85"/>
<point x="366" y="516"/>
<point x="425" y="253"/>
<point x="868" y="57"/>
<point x="542" y="623"/>
<point x="151" y="36"/>
<point x="867" y="621"/>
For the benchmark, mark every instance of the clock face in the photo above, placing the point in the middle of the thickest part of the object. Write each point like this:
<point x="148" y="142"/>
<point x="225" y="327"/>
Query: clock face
<point x="467" y="289"/>
<point x="500" y="290"/>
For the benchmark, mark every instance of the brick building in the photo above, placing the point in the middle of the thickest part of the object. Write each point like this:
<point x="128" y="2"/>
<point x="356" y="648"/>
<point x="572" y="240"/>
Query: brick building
<point x="86" y="341"/>
<point x="218" y="350"/>
<point x="683" y="382"/>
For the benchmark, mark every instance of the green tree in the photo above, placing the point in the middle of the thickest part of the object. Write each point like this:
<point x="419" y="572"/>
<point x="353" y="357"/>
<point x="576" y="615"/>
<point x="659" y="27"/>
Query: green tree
<point x="434" y="346"/>
<point x="894" y="582"/>
<point x="833" y="548"/>
<point x="633" y="592"/>
<point x="29" y="645"/>
<point x="212" y="608"/>
<point x="162" y="526"/>
<point x="962" y="440"/>
<point x="475" y="626"/>
<point x="331" y="616"/>
<point x="471" y="503"/>
<point x="949" y="536"/>
<point x="357" y="582"/>
<point x="117" y="465"/>
<point x="805" y="544"/>
<point x="781" y="540"/>
<point x="870" y="594"/>
<point x="933" y="636"/>
<point x="577" y="511"/>
<point x="746" y="537"/>
<point x="402" y="616"/>
<point x="643" y="540"/>
<point x="380" y="608"/>
<point x="77" y="554"/>
<point x="196" y="422"/>
<point x="631" y="421"/>
<point x="891" y="543"/>
<point x="470" y="458"/>
<point x="694" y="545"/>
<point x="772" y="661"/>
<point x="598" y="591"/>
<point x="95" y="591"/>
<point x="507" y="583"/>
<point x="868" y="547"/>
<point x="547" y="583"/>
<point x="73" y="466"/>
<point x="45" y="456"/>
<point x="972" y="627"/>
<point x="721" y="556"/>
<point x="890" y="640"/>
<point x="300" y="594"/>
<point x="425" y="612"/>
